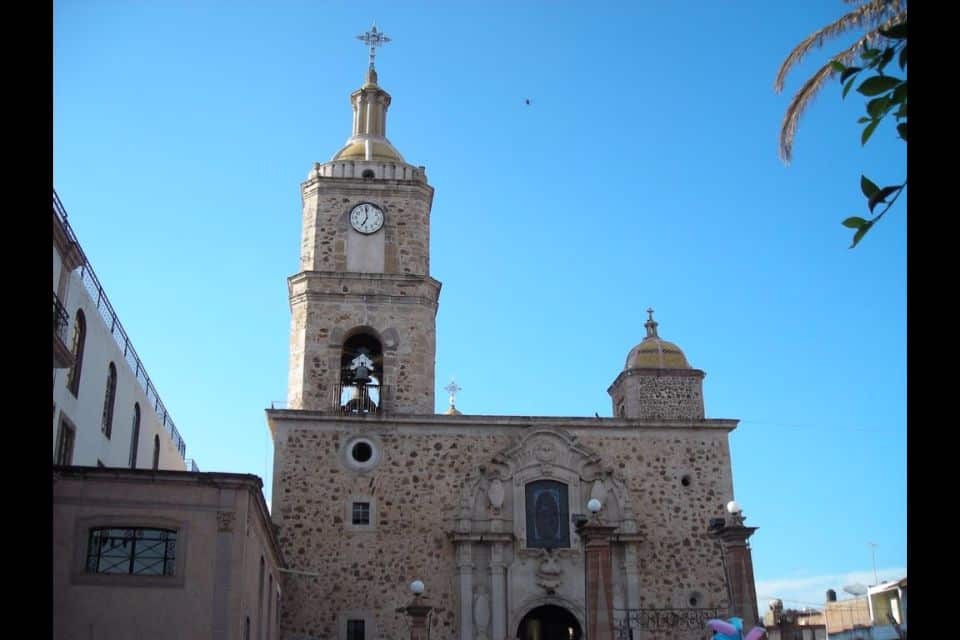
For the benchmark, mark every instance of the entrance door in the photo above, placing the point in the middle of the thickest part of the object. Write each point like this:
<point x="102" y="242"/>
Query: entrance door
<point x="549" y="622"/>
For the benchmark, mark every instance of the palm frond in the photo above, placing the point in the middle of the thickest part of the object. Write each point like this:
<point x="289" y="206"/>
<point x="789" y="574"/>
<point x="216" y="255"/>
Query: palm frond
<point x="867" y="14"/>
<point x="807" y="92"/>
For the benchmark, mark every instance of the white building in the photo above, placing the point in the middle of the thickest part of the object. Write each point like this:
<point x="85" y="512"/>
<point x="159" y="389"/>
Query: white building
<point x="106" y="411"/>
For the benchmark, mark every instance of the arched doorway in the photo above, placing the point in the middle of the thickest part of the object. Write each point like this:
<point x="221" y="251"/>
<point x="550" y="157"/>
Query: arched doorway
<point x="549" y="622"/>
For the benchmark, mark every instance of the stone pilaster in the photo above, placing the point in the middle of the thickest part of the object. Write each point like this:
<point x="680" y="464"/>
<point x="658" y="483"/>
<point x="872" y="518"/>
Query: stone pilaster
<point x="418" y="612"/>
<point x="738" y="564"/>
<point x="596" y="537"/>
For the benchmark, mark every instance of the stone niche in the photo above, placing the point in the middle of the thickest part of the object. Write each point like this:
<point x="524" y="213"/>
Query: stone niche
<point x="513" y="556"/>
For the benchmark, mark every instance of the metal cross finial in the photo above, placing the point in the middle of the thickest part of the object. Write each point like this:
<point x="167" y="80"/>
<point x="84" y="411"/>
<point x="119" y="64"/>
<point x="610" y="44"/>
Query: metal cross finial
<point x="373" y="39"/>
<point x="452" y="389"/>
<point x="651" y="324"/>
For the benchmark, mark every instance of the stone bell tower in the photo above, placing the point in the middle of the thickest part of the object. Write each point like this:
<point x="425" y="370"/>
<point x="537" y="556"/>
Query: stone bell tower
<point x="363" y="306"/>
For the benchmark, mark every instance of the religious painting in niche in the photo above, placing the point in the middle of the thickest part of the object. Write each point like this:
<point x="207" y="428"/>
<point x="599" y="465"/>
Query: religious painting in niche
<point x="548" y="515"/>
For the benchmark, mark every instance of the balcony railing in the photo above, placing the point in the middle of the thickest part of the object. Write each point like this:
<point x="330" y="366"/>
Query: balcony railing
<point x="60" y="319"/>
<point x="112" y="322"/>
<point x="353" y="399"/>
<point x="633" y="623"/>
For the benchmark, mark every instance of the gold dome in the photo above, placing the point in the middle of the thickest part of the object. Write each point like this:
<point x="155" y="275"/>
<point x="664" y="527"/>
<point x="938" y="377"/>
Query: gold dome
<point x="370" y="150"/>
<point x="655" y="353"/>
<point x="452" y="411"/>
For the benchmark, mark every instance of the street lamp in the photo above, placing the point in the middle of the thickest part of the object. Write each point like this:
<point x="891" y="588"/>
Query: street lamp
<point x="418" y="612"/>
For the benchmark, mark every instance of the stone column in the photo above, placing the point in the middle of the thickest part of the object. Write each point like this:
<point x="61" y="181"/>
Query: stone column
<point x="632" y="569"/>
<point x="738" y="564"/>
<point x="418" y="611"/>
<point x="599" y="596"/>
<point x="465" y="569"/>
<point x="498" y="587"/>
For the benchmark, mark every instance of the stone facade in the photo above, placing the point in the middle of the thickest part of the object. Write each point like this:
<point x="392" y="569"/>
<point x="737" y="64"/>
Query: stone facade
<point x="449" y="497"/>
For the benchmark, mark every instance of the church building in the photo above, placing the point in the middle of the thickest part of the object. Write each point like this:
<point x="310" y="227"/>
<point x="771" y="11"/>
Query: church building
<point x="538" y="528"/>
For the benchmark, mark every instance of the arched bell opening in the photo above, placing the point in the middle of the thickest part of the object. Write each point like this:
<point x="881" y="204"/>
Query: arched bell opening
<point x="549" y="622"/>
<point x="361" y="374"/>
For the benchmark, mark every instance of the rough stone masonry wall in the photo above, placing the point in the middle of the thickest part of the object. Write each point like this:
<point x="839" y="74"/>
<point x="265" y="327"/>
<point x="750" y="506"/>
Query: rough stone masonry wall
<point x="409" y="336"/>
<point x="678" y="480"/>
<point x="417" y="486"/>
<point x="326" y="206"/>
<point x="658" y="397"/>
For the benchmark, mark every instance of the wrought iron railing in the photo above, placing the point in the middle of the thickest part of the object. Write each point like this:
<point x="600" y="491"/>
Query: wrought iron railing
<point x="191" y="465"/>
<point x="351" y="399"/>
<point x="629" y="624"/>
<point x="95" y="289"/>
<point x="60" y="319"/>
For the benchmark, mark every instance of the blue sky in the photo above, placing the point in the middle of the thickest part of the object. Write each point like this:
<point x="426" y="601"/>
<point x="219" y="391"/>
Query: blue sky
<point x="643" y="173"/>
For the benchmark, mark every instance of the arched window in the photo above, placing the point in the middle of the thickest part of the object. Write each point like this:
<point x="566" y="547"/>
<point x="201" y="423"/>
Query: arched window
<point x="156" y="452"/>
<point x="79" y="339"/>
<point x="361" y="374"/>
<point x="109" y="399"/>
<point x="135" y="436"/>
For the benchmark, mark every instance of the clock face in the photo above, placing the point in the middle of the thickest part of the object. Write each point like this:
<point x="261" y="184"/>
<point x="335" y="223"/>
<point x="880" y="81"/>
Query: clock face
<point x="366" y="218"/>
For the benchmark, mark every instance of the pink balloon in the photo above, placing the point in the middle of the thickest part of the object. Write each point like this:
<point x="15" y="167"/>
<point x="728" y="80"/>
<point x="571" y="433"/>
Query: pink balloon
<point x="722" y="627"/>
<point x="755" y="633"/>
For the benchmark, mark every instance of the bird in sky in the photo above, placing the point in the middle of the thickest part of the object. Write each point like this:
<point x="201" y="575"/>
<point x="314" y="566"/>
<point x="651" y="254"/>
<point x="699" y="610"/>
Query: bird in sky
<point x="527" y="101"/>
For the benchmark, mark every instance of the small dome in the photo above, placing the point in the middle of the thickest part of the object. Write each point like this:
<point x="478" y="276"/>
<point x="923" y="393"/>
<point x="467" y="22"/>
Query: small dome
<point x="452" y="411"/>
<point x="379" y="150"/>
<point x="655" y="353"/>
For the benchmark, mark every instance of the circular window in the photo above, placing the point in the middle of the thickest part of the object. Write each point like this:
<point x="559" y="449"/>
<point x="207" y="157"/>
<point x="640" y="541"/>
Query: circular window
<point x="685" y="480"/>
<point x="361" y="452"/>
<point x="695" y="599"/>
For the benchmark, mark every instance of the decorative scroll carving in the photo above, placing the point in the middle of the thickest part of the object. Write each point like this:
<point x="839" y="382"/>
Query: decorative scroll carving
<point x="549" y="573"/>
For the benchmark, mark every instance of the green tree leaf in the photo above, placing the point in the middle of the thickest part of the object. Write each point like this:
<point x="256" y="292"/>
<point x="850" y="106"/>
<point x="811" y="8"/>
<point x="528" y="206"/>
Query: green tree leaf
<point x="877" y="85"/>
<point x="878" y="107"/>
<point x="902" y="60"/>
<point x="849" y="71"/>
<point x="854" y="222"/>
<point x="885" y="58"/>
<point x="896" y="32"/>
<point x="900" y="93"/>
<point x="846" y="88"/>
<point x="902" y="130"/>
<point x="881" y="196"/>
<point x="867" y="186"/>
<point x="868" y="131"/>
<point x="838" y="66"/>
<point x="860" y="233"/>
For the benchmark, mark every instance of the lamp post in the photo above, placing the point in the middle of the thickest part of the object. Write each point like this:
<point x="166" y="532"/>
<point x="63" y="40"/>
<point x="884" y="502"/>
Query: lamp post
<point x="737" y="563"/>
<point x="598" y="587"/>
<point x="418" y="612"/>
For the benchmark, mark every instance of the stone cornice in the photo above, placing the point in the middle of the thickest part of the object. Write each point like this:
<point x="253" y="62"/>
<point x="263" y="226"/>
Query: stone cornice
<point x="471" y="422"/>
